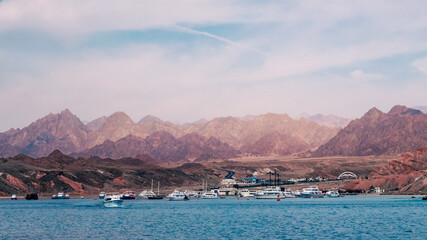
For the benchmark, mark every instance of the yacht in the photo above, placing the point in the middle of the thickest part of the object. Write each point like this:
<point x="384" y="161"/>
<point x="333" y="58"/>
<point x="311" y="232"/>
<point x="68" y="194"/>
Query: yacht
<point x="247" y="193"/>
<point x="177" y="196"/>
<point x="210" y="195"/>
<point x="102" y="195"/>
<point x="60" y="196"/>
<point x="311" y="192"/>
<point x="13" y="197"/>
<point x="128" y="195"/>
<point x="332" y="193"/>
<point x="288" y="193"/>
<point x="113" y="200"/>
<point x="270" y="193"/>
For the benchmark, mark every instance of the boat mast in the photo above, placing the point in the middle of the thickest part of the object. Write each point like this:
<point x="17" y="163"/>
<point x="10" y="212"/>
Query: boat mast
<point x="158" y="188"/>
<point x="152" y="181"/>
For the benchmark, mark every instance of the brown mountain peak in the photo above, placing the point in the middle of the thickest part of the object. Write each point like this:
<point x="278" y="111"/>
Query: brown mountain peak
<point x="398" y="109"/>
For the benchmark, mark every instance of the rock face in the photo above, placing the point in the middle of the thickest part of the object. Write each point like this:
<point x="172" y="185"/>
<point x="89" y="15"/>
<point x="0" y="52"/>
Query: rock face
<point x="61" y="173"/>
<point x="406" y="175"/>
<point x="164" y="147"/>
<point x="400" y="130"/>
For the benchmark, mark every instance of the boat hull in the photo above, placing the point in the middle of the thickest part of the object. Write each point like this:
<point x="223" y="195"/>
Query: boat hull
<point x="177" y="198"/>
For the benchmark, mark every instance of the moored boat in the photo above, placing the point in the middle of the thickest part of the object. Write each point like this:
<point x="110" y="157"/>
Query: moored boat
<point x="288" y="193"/>
<point x="128" y="195"/>
<point x="31" y="196"/>
<point x="270" y="193"/>
<point x="146" y="194"/>
<point x="247" y="193"/>
<point x="61" y="195"/>
<point x="113" y="200"/>
<point x="177" y="196"/>
<point x="13" y="197"/>
<point x="332" y="193"/>
<point x="311" y="192"/>
<point x="210" y="195"/>
<point x="102" y="195"/>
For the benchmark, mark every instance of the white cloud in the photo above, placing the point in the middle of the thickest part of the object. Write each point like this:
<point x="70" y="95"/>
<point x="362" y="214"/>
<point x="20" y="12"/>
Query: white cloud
<point x="421" y="65"/>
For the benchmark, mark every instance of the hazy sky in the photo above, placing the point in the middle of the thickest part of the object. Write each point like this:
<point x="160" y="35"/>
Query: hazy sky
<point x="186" y="60"/>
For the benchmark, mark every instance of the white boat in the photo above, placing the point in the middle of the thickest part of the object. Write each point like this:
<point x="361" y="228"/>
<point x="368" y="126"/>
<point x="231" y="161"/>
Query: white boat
<point x="288" y="193"/>
<point x="61" y="195"/>
<point x="14" y="197"/>
<point x="210" y="195"/>
<point x="192" y="194"/>
<point x="332" y="193"/>
<point x="247" y="193"/>
<point x="177" y="196"/>
<point x="270" y="193"/>
<point x="146" y="194"/>
<point x="311" y="192"/>
<point x="102" y="195"/>
<point x="112" y="201"/>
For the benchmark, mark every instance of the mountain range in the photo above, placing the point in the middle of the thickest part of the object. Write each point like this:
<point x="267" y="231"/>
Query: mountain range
<point x="118" y="136"/>
<point x="400" y="130"/>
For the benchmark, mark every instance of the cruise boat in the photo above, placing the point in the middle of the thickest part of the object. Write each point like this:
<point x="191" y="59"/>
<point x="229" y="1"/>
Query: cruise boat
<point x="128" y="195"/>
<point x="209" y="195"/>
<point x="270" y="193"/>
<point x="60" y="196"/>
<point x="311" y="192"/>
<point x="247" y="193"/>
<point x="113" y="200"/>
<point x="288" y="193"/>
<point x="102" y="195"/>
<point x="332" y="193"/>
<point x="13" y="197"/>
<point x="177" y="196"/>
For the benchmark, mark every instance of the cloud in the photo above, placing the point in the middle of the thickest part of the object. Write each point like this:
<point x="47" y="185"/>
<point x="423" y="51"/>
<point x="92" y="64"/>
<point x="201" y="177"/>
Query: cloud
<point x="421" y="65"/>
<point x="360" y="75"/>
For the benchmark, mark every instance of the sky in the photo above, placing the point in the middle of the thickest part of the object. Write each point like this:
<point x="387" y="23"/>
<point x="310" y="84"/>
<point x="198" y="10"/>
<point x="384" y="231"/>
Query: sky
<point x="186" y="60"/>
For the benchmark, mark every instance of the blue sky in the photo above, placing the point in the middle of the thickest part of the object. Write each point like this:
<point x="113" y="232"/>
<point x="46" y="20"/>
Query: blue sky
<point x="186" y="60"/>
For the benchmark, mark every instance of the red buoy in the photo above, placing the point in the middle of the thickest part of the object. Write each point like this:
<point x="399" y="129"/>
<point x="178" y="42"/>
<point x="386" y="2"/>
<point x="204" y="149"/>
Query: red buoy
<point x="278" y="197"/>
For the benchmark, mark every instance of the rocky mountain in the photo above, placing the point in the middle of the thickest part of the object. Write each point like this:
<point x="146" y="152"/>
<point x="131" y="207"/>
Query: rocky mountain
<point x="329" y="120"/>
<point x="408" y="174"/>
<point x="400" y="130"/>
<point x="163" y="147"/>
<point x="60" y="173"/>
<point x="66" y="132"/>
<point x="55" y="131"/>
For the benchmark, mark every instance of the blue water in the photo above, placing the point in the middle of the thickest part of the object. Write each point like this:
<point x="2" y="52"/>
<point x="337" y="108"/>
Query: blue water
<point x="353" y="217"/>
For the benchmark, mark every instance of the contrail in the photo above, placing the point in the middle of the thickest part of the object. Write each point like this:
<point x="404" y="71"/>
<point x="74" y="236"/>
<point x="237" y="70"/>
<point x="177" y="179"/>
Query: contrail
<point x="192" y="31"/>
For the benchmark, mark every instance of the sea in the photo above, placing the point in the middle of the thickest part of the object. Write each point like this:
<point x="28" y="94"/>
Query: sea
<point x="350" y="217"/>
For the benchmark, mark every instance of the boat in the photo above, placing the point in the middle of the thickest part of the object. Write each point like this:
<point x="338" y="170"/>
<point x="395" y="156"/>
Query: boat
<point x="332" y="193"/>
<point x="191" y="194"/>
<point x="31" y="196"/>
<point x="270" y="193"/>
<point x="146" y="194"/>
<point x="311" y="192"/>
<point x="210" y="195"/>
<point x="177" y="196"/>
<point x="113" y="200"/>
<point x="13" y="197"/>
<point x="102" y="195"/>
<point x="288" y="193"/>
<point x="60" y="196"/>
<point x="424" y="198"/>
<point x="128" y="195"/>
<point x="247" y="193"/>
